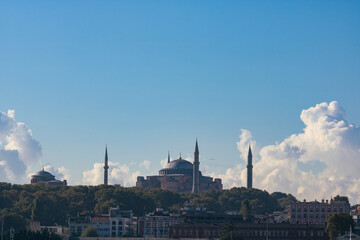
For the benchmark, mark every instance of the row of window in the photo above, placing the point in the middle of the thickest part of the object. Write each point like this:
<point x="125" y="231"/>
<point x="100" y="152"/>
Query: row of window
<point x="316" y="210"/>
<point x="103" y="229"/>
<point x="119" y="223"/>
<point x="255" y="233"/>
<point x="310" y="216"/>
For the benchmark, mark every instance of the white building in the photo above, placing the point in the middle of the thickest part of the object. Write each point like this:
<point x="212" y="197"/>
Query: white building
<point x="156" y="225"/>
<point x="349" y="236"/>
<point x="118" y="223"/>
<point x="121" y="222"/>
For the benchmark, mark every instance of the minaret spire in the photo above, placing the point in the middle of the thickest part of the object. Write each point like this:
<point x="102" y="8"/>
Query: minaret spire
<point x="168" y="156"/>
<point x="196" y="173"/>
<point x="106" y="167"/>
<point x="249" y="169"/>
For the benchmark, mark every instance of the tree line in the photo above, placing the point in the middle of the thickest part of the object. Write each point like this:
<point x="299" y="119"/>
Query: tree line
<point x="51" y="205"/>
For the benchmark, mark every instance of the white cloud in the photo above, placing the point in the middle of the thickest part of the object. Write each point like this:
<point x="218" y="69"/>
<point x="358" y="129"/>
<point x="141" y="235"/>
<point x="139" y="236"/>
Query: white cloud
<point x="60" y="173"/>
<point x="163" y="162"/>
<point x="118" y="174"/>
<point x="18" y="149"/>
<point x="145" y="164"/>
<point x="321" y="161"/>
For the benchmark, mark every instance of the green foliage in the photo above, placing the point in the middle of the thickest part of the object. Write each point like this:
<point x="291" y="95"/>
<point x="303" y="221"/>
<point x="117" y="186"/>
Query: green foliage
<point x="44" y="235"/>
<point x="229" y="232"/>
<point x="283" y="199"/>
<point x="90" y="231"/>
<point x="338" y="223"/>
<point x="55" y="204"/>
<point x="246" y="210"/>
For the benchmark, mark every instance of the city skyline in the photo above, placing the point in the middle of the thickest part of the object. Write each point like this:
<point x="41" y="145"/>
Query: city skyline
<point x="151" y="77"/>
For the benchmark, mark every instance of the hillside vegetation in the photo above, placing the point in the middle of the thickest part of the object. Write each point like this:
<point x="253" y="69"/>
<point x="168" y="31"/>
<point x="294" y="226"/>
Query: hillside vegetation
<point x="49" y="204"/>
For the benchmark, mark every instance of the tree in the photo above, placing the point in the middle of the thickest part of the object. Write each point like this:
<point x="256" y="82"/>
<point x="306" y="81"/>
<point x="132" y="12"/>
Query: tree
<point x="44" y="235"/>
<point x="90" y="231"/>
<point x="246" y="210"/>
<point x="229" y="232"/>
<point x="337" y="224"/>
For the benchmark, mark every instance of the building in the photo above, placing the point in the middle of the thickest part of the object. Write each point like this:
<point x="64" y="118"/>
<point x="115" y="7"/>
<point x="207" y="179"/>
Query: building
<point x="250" y="231"/>
<point x="181" y="175"/>
<point x="156" y="224"/>
<point x="349" y="236"/>
<point x="46" y="177"/>
<point x="317" y="212"/>
<point x="117" y="223"/>
<point x="78" y="224"/>
<point x="121" y="222"/>
<point x="35" y="226"/>
<point x="101" y="223"/>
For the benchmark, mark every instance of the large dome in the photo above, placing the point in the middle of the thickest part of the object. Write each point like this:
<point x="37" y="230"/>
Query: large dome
<point x="42" y="176"/>
<point x="178" y="166"/>
<point x="42" y="173"/>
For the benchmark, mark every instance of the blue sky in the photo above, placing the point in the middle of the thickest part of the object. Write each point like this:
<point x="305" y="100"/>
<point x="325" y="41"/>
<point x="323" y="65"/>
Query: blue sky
<point x="146" y="77"/>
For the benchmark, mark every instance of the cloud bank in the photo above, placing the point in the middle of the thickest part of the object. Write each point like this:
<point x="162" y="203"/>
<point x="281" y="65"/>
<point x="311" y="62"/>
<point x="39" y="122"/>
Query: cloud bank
<point x="320" y="162"/>
<point x="18" y="149"/>
<point x="60" y="173"/>
<point x="118" y="174"/>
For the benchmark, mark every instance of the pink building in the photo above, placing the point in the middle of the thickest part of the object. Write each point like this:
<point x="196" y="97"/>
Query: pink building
<point x="317" y="212"/>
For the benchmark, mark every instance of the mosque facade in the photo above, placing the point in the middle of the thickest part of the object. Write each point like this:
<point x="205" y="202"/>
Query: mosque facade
<point x="182" y="176"/>
<point x="47" y="178"/>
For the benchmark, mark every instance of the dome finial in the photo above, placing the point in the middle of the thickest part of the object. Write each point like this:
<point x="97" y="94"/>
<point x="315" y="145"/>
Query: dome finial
<point x="180" y="156"/>
<point x="168" y="156"/>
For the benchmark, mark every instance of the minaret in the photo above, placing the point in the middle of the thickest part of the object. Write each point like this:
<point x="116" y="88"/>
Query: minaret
<point x="168" y="156"/>
<point x="196" y="174"/>
<point x="106" y="167"/>
<point x="249" y="169"/>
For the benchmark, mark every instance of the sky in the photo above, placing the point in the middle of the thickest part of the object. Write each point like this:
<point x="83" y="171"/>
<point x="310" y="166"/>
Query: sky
<point x="148" y="77"/>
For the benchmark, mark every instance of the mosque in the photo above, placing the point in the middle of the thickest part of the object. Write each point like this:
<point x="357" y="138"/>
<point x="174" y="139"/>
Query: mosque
<point x="181" y="175"/>
<point x="47" y="178"/>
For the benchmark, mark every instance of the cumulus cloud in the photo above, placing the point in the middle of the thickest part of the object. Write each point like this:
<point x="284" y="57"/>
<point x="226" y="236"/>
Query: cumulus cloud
<point x="321" y="161"/>
<point x="60" y="173"/>
<point x="118" y="174"/>
<point x="164" y="161"/>
<point x="145" y="164"/>
<point x="18" y="149"/>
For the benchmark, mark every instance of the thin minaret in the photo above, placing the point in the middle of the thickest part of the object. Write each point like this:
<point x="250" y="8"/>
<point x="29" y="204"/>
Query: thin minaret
<point x="249" y="169"/>
<point x="168" y="156"/>
<point x="106" y="167"/>
<point x="195" y="188"/>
